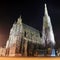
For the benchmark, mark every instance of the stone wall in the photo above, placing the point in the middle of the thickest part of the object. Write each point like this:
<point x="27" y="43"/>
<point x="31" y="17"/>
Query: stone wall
<point x="2" y="51"/>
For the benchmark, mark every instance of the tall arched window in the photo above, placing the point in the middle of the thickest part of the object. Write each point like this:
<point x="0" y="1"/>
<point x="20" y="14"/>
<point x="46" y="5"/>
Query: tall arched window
<point x="25" y="34"/>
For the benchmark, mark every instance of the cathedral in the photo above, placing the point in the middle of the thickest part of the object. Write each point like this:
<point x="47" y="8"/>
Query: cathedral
<point x="25" y="40"/>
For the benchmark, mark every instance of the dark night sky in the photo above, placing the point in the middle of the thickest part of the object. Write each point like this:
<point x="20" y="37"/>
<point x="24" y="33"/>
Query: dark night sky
<point x="32" y="12"/>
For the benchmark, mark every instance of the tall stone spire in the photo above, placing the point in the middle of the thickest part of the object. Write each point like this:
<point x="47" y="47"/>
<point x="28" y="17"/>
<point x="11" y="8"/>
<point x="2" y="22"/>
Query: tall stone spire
<point x="47" y="34"/>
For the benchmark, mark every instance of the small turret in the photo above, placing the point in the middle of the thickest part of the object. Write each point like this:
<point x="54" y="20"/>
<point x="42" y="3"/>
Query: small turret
<point x="19" y="20"/>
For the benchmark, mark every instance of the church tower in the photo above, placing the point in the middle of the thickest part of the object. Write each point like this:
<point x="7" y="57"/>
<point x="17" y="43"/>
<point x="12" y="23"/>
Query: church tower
<point x="47" y="34"/>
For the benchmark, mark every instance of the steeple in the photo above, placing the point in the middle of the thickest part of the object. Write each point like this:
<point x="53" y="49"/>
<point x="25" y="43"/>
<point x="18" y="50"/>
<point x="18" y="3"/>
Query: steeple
<point x="47" y="34"/>
<point x="46" y="11"/>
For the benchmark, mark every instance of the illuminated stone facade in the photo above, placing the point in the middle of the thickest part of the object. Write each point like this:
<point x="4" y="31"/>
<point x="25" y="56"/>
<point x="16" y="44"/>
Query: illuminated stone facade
<point x="2" y="51"/>
<point x="25" y="40"/>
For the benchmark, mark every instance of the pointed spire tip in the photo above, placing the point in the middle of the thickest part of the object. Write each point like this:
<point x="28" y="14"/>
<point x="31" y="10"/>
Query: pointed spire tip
<point x="45" y="4"/>
<point x="46" y="12"/>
